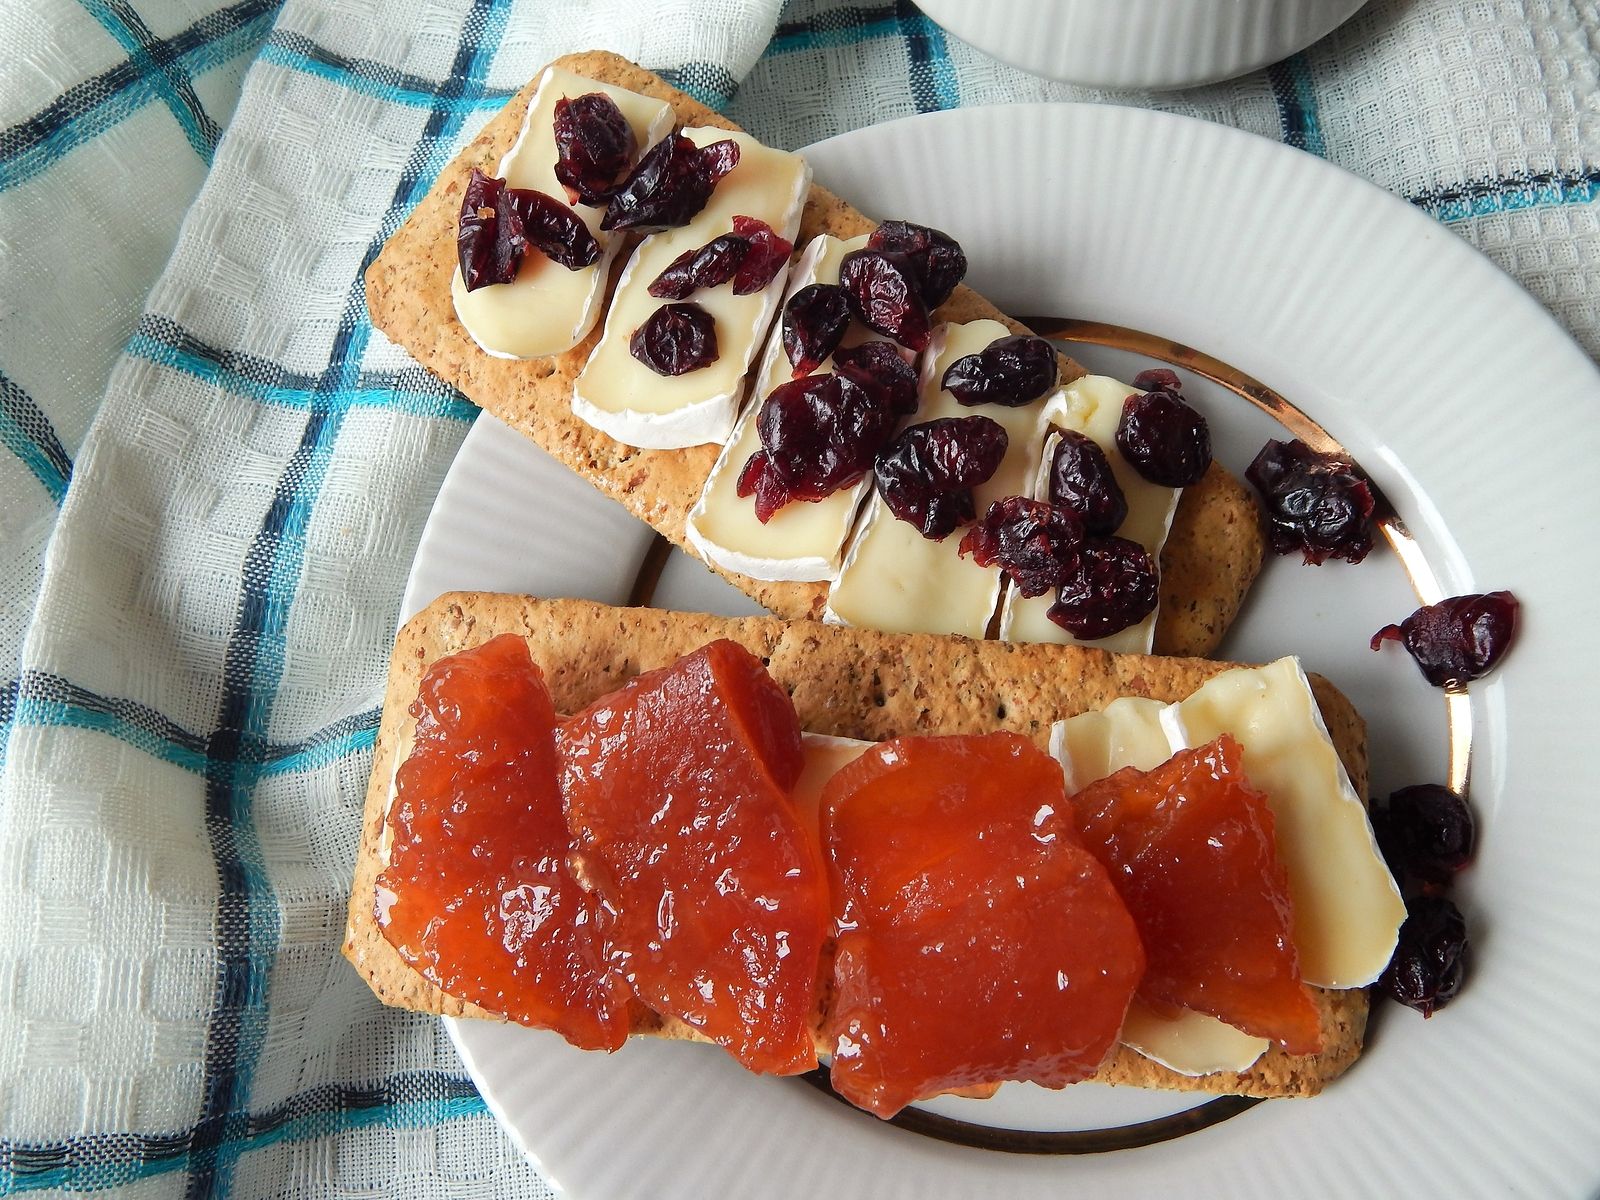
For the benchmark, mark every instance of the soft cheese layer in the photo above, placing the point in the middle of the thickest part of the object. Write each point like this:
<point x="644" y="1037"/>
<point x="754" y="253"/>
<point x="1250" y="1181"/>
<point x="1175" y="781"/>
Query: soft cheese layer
<point x="803" y="541"/>
<point x="548" y="309"/>
<point x="895" y="579"/>
<point x="619" y="394"/>
<point x="1347" y="909"/>
<point x="1093" y="406"/>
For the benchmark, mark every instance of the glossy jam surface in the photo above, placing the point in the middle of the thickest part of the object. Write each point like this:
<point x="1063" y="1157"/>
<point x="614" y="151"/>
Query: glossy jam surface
<point x="1190" y="847"/>
<point x="979" y="941"/>
<point x="677" y="790"/>
<point x="477" y="895"/>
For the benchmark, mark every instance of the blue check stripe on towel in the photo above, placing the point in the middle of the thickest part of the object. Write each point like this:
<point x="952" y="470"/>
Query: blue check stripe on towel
<point x="156" y="68"/>
<point x="237" y="755"/>
<point x="410" y="1100"/>
<point x="247" y="910"/>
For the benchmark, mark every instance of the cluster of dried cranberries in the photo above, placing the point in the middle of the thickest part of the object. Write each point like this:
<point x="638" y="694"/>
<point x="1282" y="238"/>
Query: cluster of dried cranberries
<point x="670" y="185"/>
<point x="499" y="224"/>
<point x="905" y="272"/>
<point x="822" y="433"/>
<point x="1427" y="834"/>
<point x="751" y="256"/>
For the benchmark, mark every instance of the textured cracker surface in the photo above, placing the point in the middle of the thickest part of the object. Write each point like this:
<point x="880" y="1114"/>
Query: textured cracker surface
<point x="848" y="682"/>
<point x="1212" y="556"/>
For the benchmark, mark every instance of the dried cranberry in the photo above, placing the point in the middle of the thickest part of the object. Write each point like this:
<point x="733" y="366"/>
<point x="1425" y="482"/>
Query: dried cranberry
<point x="1031" y="541"/>
<point x="1432" y="831"/>
<point x="677" y="339"/>
<point x="882" y="287"/>
<point x="768" y="255"/>
<point x="1011" y="371"/>
<point x="1459" y="639"/>
<point x="814" y="321"/>
<point x="710" y="266"/>
<point x="557" y="231"/>
<point x="1158" y="379"/>
<point x="880" y="368"/>
<point x="1108" y="585"/>
<point x="1430" y="959"/>
<point x="1318" y="504"/>
<point x="1388" y="843"/>
<point x="926" y="475"/>
<point x="670" y="185"/>
<point x="594" y="145"/>
<point x="498" y="224"/>
<point x="818" y="434"/>
<point x="937" y="259"/>
<point x="1166" y="441"/>
<point x="485" y="256"/>
<point x="1081" y="479"/>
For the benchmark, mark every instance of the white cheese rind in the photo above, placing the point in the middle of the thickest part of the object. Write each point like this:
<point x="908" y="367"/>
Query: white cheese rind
<point x="1093" y="406"/>
<point x="895" y="579"/>
<point x="1191" y="1043"/>
<point x="618" y="394"/>
<point x="1347" y="907"/>
<point x="548" y="309"/>
<point x="803" y="541"/>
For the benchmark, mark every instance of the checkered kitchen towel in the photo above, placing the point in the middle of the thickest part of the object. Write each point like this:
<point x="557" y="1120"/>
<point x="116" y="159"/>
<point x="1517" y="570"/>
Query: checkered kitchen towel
<point x="189" y="708"/>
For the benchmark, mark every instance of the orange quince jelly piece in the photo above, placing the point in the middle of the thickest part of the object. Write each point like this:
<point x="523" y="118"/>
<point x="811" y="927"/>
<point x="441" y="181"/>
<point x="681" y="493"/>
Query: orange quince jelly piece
<point x="677" y="792"/>
<point x="476" y="894"/>
<point x="1190" y="847"/>
<point x="978" y="940"/>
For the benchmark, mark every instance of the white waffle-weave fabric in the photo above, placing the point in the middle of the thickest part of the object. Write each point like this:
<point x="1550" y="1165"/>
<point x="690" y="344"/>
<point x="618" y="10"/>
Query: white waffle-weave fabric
<point x="190" y="704"/>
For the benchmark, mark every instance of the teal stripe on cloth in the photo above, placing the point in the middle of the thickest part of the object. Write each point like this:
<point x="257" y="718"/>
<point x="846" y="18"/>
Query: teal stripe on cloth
<point x="100" y="1162"/>
<point x="171" y="82"/>
<point x="100" y="104"/>
<point x="347" y="77"/>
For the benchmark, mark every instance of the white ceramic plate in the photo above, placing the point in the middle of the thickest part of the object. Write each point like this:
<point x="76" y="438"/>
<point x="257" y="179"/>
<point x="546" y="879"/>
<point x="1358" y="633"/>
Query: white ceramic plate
<point x="1140" y="43"/>
<point x="1475" y="414"/>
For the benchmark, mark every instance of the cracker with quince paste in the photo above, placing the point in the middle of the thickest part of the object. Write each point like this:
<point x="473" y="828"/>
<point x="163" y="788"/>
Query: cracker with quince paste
<point x="848" y="682"/>
<point x="1214" y="550"/>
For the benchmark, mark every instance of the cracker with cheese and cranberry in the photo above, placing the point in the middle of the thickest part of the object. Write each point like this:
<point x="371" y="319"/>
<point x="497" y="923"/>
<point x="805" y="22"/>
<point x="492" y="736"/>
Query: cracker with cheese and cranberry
<point x="641" y="338"/>
<point x="1301" y="745"/>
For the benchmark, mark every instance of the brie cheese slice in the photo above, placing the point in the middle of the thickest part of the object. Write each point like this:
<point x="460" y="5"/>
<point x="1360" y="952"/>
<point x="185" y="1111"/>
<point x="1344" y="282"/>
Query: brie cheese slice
<point x="1093" y="406"/>
<point x="548" y="309"/>
<point x="618" y="394"/>
<point x="803" y="541"/>
<point x="895" y="579"/>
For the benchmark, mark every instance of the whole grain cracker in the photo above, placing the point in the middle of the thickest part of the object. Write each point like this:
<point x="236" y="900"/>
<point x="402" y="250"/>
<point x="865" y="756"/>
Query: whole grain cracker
<point x="1212" y="555"/>
<point x="847" y="682"/>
